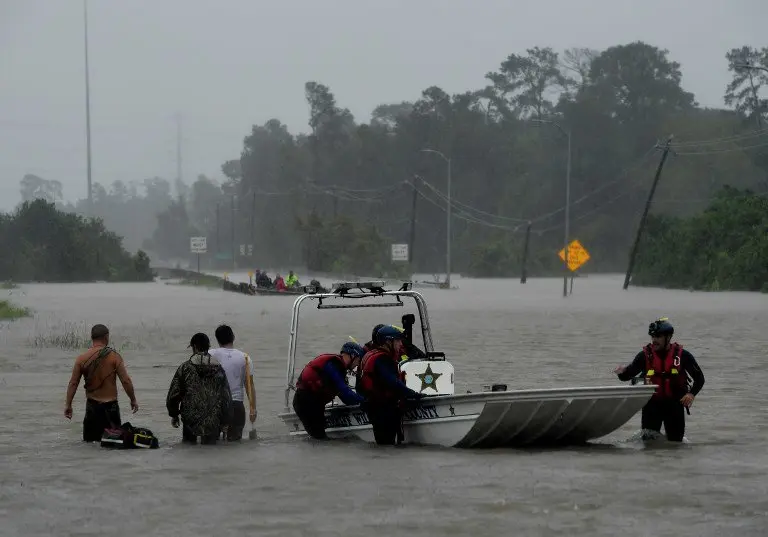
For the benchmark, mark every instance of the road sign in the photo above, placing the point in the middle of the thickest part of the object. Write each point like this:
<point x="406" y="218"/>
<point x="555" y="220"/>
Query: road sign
<point x="399" y="252"/>
<point x="577" y="255"/>
<point x="246" y="250"/>
<point x="198" y="245"/>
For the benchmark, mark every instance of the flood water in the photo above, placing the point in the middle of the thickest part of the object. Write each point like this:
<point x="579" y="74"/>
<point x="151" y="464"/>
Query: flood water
<point x="491" y="330"/>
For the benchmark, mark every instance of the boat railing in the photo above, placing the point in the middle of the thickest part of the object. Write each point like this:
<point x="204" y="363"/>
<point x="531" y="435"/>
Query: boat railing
<point x="363" y="295"/>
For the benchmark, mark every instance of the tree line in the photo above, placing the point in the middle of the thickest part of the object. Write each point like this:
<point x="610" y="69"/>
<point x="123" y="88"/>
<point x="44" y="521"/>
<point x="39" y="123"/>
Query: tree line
<point x="724" y="247"/>
<point x="337" y="197"/>
<point x="43" y="244"/>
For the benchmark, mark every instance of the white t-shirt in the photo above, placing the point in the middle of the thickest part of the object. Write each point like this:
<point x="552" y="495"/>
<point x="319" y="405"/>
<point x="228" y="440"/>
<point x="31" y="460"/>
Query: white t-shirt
<point x="233" y="362"/>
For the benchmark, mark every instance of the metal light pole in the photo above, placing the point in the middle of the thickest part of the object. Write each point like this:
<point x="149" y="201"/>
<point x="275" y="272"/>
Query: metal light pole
<point x="751" y="67"/>
<point x="447" y="219"/>
<point x="87" y="109"/>
<point x="567" y="133"/>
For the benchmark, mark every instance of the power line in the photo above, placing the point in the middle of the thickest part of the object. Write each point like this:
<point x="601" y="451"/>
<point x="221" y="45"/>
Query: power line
<point x="725" y="139"/>
<point x="719" y="151"/>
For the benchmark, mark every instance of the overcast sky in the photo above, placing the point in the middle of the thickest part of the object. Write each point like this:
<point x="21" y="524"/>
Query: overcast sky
<point x="227" y="64"/>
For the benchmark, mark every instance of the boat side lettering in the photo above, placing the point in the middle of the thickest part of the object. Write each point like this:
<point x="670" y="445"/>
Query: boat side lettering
<point x="361" y="418"/>
<point x="338" y="420"/>
<point x="427" y="412"/>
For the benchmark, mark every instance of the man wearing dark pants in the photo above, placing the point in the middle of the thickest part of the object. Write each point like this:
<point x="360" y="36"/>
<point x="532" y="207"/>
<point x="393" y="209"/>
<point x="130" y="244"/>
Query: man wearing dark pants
<point x="100" y="367"/>
<point x="381" y="386"/>
<point x="668" y="366"/>
<point x="321" y="380"/>
<point x="238" y="371"/>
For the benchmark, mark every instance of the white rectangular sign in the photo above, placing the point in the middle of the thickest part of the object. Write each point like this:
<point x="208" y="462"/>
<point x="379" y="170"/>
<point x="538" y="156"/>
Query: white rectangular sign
<point x="399" y="252"/>
<point x="198" y="245"/>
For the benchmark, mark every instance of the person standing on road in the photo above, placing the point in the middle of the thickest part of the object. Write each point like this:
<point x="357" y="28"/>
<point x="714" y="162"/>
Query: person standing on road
<point x="668" y="366"/>
<point x="100" y="367"/>
<point x="240" y="376"/>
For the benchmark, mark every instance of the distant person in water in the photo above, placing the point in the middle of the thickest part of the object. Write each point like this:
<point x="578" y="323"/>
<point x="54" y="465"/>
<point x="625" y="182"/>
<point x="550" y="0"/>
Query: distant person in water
<point x="240" y="378"/>
<point x="292" y="280"/>
<point x="279" y="283"/>
<point x="199" y="395"/>
<point x="668" y="366"/>
<point x="100" y="367"/>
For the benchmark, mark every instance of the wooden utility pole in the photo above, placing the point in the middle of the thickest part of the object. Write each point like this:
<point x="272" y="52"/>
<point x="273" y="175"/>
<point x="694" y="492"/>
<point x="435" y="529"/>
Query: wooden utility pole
<point x="640" y="228"/>
<point x="524" y="271"/>
<point x="412" y="238"/>
<point x="234" y="263"/>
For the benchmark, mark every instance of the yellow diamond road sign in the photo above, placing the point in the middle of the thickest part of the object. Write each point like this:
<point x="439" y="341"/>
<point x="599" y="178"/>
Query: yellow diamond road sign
<point x="577" y="255"/>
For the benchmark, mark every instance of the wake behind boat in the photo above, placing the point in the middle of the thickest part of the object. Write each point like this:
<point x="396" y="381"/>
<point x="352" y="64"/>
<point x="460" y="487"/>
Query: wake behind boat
<point x="495" y="418"/>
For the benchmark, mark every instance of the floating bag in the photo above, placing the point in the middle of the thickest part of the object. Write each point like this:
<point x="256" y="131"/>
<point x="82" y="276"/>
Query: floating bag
<point x="129" y="437"/>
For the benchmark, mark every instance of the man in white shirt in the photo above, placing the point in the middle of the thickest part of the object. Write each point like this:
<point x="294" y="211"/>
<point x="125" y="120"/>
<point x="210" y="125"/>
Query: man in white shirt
<point x="240" y="377"/>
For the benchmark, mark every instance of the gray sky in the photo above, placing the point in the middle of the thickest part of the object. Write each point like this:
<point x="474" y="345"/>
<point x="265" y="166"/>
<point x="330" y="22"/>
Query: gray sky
<point x="228" y="64"/>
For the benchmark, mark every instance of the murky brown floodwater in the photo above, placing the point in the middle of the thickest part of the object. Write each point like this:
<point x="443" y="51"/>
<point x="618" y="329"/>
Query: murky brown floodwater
<point x="493" y="330"/>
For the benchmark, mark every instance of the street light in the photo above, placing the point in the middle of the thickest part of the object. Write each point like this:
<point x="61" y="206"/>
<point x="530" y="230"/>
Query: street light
<point x="567" y="133"/>
<point x="447" y="219"/>
<point x="87" y="108"/>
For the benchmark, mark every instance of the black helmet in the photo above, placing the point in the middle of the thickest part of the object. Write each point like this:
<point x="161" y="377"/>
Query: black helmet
<point x="661" y="327"/>
<point x="375" y="329"/>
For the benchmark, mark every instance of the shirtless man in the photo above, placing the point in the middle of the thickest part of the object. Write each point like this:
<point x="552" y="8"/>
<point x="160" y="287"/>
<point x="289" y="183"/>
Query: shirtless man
<point x="100" y="366"/>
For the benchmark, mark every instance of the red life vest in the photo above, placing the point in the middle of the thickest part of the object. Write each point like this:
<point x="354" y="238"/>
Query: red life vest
<point x="666" y="372"/>
<point x="369" y="386"/>
<point x="313" y="379"/>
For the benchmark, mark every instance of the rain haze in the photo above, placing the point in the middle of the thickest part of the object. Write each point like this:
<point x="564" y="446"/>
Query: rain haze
<point x="495" y="159"/>
<point x="226" y="66"/>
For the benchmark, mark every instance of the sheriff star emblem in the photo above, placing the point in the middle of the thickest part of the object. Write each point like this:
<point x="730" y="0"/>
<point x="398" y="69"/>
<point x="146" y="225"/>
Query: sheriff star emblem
<point x="428" y="379"/>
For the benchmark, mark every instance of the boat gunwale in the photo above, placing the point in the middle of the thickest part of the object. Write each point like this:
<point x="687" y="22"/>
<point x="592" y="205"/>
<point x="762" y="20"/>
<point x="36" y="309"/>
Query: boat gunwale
<point x="537" y="394"/>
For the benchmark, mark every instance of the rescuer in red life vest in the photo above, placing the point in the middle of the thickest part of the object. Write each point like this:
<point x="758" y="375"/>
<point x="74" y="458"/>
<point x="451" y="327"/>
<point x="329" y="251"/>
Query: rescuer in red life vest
<point x="381" y="386"/>
<point x="668" y="366"/>
<point x="320" y="381"/>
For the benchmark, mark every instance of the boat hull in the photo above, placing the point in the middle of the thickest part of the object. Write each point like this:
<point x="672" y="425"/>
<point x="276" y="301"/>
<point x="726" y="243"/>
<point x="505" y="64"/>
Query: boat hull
<point x="275" y="292"/>
<point x="500" y="419"/>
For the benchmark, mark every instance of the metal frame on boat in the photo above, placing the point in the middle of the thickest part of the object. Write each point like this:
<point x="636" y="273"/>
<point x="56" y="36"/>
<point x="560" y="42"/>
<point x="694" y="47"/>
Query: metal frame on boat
<point x="485" y="419"/>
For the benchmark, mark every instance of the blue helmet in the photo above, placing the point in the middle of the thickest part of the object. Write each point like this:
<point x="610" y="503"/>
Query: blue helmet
<point x="389" y="332"/>
<point x="353" y="349"/>
<point x="661" y="327"/>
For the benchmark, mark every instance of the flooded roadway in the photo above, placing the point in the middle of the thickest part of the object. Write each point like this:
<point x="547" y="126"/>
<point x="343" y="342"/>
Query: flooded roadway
<point x="492" y="331"/>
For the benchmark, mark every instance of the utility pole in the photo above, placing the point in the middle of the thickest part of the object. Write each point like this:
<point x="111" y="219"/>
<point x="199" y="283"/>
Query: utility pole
<point x="567" y="134"/>
<point x="178" y="148"/>
<point x="447" y="218"/>
<point x="633" y="253"/>
<point x="88" y="110"/>
<point x="524" y="271"/>
<point x="253" y="220"/>
<point x="567" y="216"/>
<point x="412" y="238"/>
<point x="218" y="220"/>
<point x="234" y="264"/>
